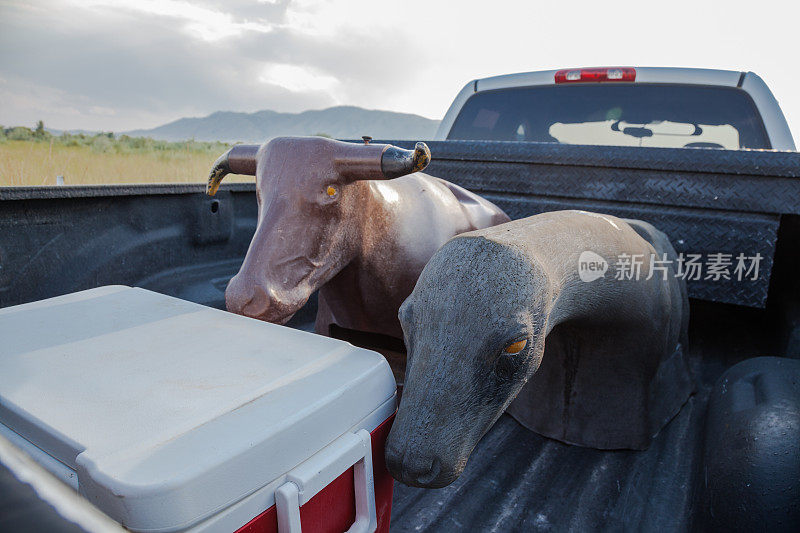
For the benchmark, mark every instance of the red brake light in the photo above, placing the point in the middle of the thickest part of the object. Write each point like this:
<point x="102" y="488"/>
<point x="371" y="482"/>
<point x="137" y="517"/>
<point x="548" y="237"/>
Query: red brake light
<point x="596" y="74"/>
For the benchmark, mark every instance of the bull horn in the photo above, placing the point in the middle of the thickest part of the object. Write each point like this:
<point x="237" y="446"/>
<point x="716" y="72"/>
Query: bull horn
<point x="396" y="162"/>
<point x="241" y="159"/>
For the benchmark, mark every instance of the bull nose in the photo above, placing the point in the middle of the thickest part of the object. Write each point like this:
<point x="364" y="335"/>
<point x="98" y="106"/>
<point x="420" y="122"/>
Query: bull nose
<point x="244" y="298"/>
<point x="414" y="469"/>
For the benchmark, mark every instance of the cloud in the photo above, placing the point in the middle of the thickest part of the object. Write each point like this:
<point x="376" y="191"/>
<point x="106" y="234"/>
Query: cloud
<point x="297" y="78"/>
<point x="154" y="61"/>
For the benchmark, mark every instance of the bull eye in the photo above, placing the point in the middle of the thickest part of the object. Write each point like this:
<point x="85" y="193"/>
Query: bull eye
<point x="515" y="347"/>
<point x="331" y="191"/>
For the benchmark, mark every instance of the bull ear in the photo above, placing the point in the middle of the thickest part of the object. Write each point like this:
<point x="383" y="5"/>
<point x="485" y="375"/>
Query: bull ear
<point x="241" y="159"/>
<point x="396" y="162"/>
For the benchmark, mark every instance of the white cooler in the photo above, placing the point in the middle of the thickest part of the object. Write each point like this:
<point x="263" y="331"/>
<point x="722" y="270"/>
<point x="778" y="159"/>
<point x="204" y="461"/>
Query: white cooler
<point x="168" y="415"/>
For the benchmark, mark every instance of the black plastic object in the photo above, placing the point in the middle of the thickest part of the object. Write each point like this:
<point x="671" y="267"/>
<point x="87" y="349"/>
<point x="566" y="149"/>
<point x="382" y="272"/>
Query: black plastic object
<point x="752" y="448"/>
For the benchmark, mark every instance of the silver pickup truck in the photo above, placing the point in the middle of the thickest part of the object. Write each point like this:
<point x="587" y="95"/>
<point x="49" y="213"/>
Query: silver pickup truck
<point x="621" y="106"/>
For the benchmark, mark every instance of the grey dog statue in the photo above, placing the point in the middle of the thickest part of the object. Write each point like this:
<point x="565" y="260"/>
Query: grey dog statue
<point x="504" y="314"/>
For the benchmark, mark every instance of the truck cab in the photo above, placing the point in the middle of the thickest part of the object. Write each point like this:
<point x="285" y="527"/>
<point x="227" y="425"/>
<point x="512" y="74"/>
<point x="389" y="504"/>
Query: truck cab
<point x="621" y="106"/>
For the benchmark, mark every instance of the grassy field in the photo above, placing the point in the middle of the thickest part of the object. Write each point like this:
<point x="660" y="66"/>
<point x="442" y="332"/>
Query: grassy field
<point x="103" y="159"/>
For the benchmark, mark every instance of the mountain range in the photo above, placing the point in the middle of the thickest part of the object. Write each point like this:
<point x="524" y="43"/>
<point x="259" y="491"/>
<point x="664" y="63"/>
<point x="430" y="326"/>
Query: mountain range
<point x="342" y="122"/>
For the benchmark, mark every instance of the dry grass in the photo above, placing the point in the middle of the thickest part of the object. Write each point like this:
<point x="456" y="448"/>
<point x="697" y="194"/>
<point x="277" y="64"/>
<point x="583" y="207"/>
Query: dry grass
<point x="25" y="163"/>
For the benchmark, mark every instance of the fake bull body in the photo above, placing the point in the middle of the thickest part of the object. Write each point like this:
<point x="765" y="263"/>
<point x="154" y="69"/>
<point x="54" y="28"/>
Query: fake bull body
<point x="502" y="313"/>
<point x="356" y="221"/>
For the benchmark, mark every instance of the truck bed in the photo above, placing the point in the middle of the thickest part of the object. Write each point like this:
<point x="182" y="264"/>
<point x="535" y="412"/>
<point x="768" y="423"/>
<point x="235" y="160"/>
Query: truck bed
<point x="175" y="240"/>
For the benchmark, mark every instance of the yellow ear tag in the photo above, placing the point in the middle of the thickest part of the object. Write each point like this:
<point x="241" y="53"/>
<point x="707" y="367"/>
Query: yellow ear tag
<point x="516" y="347"/>
<point x="331" y="191"/>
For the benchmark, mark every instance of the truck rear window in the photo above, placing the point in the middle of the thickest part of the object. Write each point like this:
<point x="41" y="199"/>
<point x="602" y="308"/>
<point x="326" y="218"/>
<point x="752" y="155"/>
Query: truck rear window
<point x="674" y="116"/>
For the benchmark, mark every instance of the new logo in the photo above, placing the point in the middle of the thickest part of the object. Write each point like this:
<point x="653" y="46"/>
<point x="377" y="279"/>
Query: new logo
<point x="591" y="266"/>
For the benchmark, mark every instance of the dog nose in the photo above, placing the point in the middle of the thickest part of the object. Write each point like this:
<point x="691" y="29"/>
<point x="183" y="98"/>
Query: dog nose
<point x="394" y="461"/>
<point x="413" y="469"/>
<point x="421" y="472"/>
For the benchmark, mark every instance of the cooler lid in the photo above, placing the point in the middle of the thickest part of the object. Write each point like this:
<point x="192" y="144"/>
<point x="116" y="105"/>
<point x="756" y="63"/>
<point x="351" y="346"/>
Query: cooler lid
<point x="169" y="411"/>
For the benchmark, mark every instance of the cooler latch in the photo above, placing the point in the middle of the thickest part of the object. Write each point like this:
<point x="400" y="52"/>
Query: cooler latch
<point x="302" y="483"/>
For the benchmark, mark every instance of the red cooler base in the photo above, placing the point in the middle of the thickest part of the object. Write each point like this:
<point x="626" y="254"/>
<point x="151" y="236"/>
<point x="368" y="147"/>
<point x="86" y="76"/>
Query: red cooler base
<point x="333" y="509"/>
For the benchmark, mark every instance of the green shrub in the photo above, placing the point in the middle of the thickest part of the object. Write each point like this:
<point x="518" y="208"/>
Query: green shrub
<point x="19" y="133"/>
<point x="107" y="142"/>
<point x="102" y="144"/>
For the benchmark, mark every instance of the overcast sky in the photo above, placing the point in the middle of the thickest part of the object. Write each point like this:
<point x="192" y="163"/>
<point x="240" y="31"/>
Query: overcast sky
<point x="104" y="65"/>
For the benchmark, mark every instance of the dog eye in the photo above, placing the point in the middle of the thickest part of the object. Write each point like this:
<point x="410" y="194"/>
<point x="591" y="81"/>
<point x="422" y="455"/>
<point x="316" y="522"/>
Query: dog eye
<point x="331" y="191"/>
<point x="516" y="347"/>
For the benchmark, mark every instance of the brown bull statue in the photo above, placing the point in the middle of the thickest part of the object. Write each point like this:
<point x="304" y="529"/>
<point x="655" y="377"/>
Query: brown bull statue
<point x="356" y="221"/>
